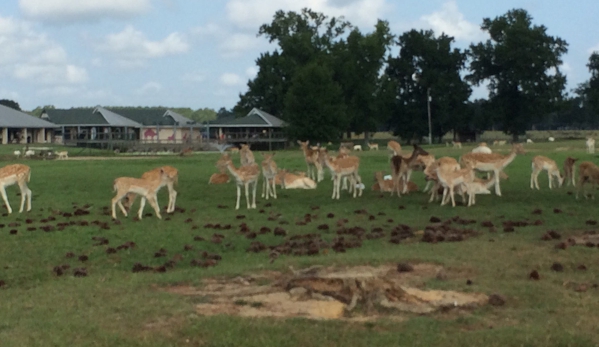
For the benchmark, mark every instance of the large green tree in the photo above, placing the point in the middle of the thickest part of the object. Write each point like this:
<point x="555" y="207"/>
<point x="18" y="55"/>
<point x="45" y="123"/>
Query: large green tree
<point x="591" y="89"/>
<point x="302" y="38"/>
<point x="521" y="63"/>
<point x="10" y="103"/>
<point x="358" y="63"/>
<point x="314" y="105"/>
<point x="437" y="67"/>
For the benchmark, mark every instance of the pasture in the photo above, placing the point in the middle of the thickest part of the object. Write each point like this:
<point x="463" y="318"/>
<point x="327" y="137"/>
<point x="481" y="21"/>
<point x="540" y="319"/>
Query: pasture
<point x="107" y="304"/>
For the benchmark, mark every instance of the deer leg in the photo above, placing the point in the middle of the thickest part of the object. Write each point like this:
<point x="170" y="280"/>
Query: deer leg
<point x="451" y="192"/>
<point x="247" y="195"/>
<point x="142" y="204"/>
<point x="274" y="188"/>
<point x="3" y="192"/>
<point x="23" y="189"/>
<point x="497" y="189"/>
<point x="174" y="199"/>
<point x="238" y="196"/>
<point x="154" y="203"/>
<point x="265" y="188"/>
<point x="255" y="185"/>
<point x="550" y="177"/>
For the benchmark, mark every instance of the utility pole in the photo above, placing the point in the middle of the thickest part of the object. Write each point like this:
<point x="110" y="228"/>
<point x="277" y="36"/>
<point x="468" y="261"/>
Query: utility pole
<point x="428" y="104"/>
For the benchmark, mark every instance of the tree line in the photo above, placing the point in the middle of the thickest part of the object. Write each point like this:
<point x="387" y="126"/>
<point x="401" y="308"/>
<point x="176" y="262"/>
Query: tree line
<point x="326" y="78"/>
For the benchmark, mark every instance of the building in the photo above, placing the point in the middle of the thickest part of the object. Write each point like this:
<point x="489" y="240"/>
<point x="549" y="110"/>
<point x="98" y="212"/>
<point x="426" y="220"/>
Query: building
<point x="20" y="127"/>
<point x="161" y="125"/>
<point x="256" y="127"/>
<point x="92" y="125"/>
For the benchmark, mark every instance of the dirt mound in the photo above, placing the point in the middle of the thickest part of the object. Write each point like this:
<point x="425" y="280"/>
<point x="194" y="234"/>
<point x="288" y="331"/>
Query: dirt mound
<point x="329" y="293"/>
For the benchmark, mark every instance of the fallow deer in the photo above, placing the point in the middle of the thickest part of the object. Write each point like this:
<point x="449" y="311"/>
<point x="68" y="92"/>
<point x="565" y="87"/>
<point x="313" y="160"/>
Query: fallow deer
<point x="540" y="163"/>
<point x="569" y="170"/>
<point x="16" y="174"/>
<point x="146" y="188"/>
<point x="172" y="178"/>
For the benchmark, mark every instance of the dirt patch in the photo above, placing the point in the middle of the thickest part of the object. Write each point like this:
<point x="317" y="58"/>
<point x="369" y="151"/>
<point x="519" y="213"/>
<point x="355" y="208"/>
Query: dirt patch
<point x="355" y="293"/>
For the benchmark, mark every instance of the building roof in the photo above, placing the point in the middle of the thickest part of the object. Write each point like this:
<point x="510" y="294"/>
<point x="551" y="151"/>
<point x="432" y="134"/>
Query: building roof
<point x="148" y="116"/>
<point x="11" y="118"/>
<point x="255" y="118"/>
<point x="98" y="116"/>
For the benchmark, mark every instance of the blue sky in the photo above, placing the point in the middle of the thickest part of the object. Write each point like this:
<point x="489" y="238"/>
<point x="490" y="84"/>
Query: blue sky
<point x="177" y="53"/>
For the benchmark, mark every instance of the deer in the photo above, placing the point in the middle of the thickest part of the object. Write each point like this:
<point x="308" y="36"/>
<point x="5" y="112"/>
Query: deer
<point x="246" y="155"/>
<point x="590" y="145"/>
<point x="16" y="174"/>
<point x="569" y="170"/>
<point x="588" y="172"/>
<point x="269" y="171"/>
<point x="456" y="144"/>
<point x="147" y="188"/>
<point x="292" y="181"/>
<point x="314" y="165"/>
<point x="394" y="149"/>
<point x="343" y="167"/>
<point x="245" y="176"/>
<point x="62" y="155"/>
<point x="373" y="146"/>
<point x="540" y="163"/>
<point x="172" y="178"/>
<point x="491" y="162"/>
<point x="384" y="185"/>
<point x="450" y="179"/>
<point x="219" y="178"/>
<point x="400" y="168"/>
<point x="430" y="172"/>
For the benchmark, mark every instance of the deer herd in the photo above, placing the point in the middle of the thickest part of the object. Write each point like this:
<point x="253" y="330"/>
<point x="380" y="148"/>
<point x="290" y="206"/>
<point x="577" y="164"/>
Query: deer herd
<point x="444" y="175"/>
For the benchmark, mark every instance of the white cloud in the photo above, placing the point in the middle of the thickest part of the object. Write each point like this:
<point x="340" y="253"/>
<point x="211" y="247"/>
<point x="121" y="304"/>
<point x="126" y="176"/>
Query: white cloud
<point x="231" y="79"/>
<point x="132" y="48"/>
<point x="32" y="56"/>
<point x="250" y="14"/>
<point x="594" y="49"/>
<point x="251" y="71"/>
<point x="194" y="76"/>
<point x="451" y="21"/>
<point x="149" y="88"/>
<point x="236" y="44"/>
<point x="82" y="10"/>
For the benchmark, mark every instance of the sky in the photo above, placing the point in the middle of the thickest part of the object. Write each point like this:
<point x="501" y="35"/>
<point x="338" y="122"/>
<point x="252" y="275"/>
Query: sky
<point x="200" y="53"/>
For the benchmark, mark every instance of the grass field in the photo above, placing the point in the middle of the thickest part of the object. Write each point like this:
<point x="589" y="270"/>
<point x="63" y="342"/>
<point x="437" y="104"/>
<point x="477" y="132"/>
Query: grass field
<point x="113" y="306"/>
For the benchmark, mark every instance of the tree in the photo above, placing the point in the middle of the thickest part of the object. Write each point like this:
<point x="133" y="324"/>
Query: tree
<point x="438" y="68"/>
<point x="358" y="62"/>
<point x="521" y="63"/>
<point x="37" y="112"/>
<point x="10" y="103"/>
<point x="314" y="105"/>
<point x="302" y="38"/>
<point x="591" y="90"/>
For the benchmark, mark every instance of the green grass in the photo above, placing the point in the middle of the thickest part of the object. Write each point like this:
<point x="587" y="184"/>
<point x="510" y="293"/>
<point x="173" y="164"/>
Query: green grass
<point x="113" y="306"/>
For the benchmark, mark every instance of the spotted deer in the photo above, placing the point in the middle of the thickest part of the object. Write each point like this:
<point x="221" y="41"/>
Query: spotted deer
<point x="147" y="188"/>
<point x="16" y="174"/>
<point x="154" y="175"/>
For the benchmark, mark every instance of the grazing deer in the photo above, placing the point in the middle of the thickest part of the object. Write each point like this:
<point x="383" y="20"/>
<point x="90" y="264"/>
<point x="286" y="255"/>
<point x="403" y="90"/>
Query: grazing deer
<point x="569" y="170"/>
<point x="588" y="172"/>
<point x="373" y="146"/>
<point x="491" y="162"/>
<point x="147" y="188"/>
<point x="540" y="163"/>
<point x="312" y="161"/>
<point x="172" y="178"/>
<point x="400" y="168"/>
<point x="16" y="174"/>
<point x="456" y="144"/>
<point x="246" y="156"/>
<point x="269" y="171"/>
<point x="245" y="176"/>
<point x="451" y="179"/>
